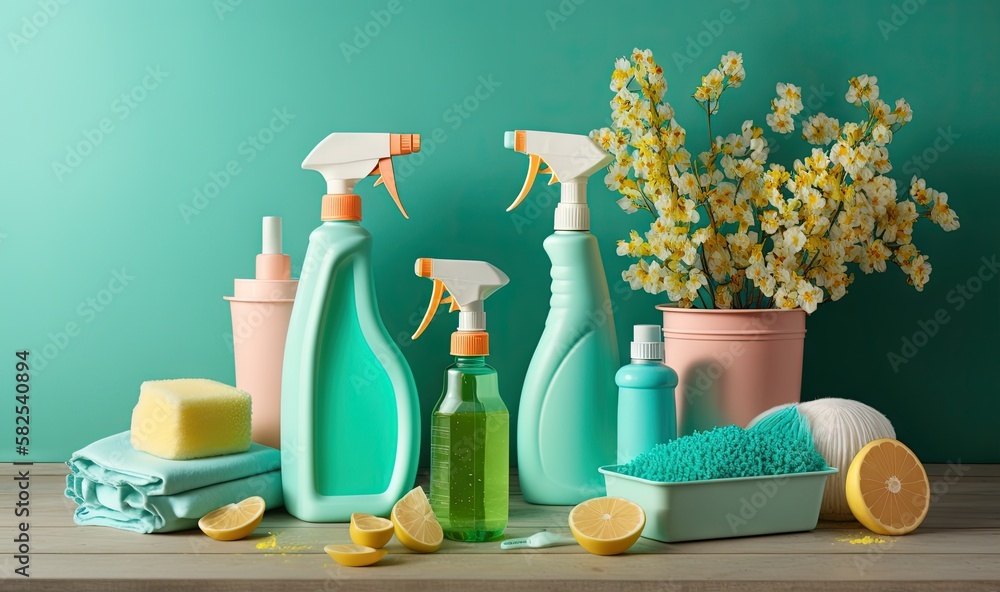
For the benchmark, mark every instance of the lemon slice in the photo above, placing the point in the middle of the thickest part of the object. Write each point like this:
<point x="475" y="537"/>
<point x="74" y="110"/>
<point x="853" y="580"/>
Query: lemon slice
<point x="234" y="521"/>
<point x="370" y="531"/>
<point x="416" y="526"/>
<point x="355" y="555"/>
<point x="887" y="488"/>
<point x="607" y="525"/>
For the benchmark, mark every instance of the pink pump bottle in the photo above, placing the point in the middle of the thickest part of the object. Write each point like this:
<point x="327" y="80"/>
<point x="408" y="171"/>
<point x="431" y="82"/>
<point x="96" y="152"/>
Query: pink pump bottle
<point x="261" y="308"/>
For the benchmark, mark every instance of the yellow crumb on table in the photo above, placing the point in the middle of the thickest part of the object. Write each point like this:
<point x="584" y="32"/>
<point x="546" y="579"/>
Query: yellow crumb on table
<point x="862" y="540"/>
<point x="271" y="542"/>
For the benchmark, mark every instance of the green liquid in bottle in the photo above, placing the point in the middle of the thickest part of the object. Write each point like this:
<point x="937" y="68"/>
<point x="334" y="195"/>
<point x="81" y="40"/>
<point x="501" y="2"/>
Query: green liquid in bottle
<point x="470" y="446"/>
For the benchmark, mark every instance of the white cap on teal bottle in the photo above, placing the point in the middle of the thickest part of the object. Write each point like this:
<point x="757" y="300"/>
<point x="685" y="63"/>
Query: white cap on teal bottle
<point x="571" y="159"/>
<point x="647" y="342"/>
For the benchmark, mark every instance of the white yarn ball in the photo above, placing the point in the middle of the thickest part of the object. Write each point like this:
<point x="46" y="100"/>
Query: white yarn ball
<point x="841" y="428"/>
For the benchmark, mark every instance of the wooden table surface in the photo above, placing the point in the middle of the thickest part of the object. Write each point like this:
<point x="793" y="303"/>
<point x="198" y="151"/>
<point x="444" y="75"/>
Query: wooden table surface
<point x="957" y="548"/>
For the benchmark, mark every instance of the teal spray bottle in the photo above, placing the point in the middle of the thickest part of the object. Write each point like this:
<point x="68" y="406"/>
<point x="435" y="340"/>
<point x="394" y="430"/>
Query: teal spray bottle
<point x="350" y="416"/>
<point x="566" y="425"/>
<point x="470" y="426"/>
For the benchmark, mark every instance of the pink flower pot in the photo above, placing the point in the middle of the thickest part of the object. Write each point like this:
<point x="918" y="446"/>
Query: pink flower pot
<point x="732" y="364"/>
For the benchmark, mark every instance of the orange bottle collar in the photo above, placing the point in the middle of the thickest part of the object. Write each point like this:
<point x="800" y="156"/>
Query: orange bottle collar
<point x="470" y="343"/>
<point x="341" y="206"/>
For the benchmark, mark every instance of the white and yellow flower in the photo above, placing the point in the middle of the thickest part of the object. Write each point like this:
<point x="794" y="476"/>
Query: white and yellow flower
<point x="782" y="237"/>
<point x="863" y="89"/>
<point x="903" y="113"/>
<point x="687" y="184"/>
<point x="781" y="122"/>
<point x="808" y="296"/>
<point x="881" y="134"/>
<point x="794" y="239"/>
<point x="731" y="63"/>
<point x="792" y="95"/>
<point x="918" y="191"/>
<point x="942" y="214"/>
<point x="712" y="82"/>
<point x="621" y="75"/>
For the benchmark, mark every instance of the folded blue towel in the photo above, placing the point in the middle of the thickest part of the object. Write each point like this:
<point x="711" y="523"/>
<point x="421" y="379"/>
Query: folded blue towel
<point x="116" y="485"/>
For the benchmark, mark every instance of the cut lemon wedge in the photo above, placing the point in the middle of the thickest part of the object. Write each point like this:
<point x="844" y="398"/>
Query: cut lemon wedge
<point x="416" y="526"/>
<point x="234" y="521"/>
<point x="355" y="555"/>
<point x="370" y="531"/>
<point x="887" y="488"/>
<point x="607" y="525"/>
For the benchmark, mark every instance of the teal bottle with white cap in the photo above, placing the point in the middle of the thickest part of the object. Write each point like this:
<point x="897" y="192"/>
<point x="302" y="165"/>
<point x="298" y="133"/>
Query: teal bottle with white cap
<point x="646" y="411"/>
<point x="566" y="419"/>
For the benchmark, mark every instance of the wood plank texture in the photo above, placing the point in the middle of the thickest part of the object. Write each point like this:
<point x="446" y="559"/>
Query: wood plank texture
<point x="305" y="541"/>
<point x="957" y="548"/>
<point x="485" y="573"/>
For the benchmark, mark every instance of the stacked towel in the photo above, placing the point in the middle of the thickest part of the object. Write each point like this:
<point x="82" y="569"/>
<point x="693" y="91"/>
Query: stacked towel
<point x="118" y="486"/>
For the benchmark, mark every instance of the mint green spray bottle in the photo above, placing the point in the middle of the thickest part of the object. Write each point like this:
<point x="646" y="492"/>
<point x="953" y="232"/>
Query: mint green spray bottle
<point x="566" y="425"/>
<point x="470" y="426"/>
<point x="350" y="416"/>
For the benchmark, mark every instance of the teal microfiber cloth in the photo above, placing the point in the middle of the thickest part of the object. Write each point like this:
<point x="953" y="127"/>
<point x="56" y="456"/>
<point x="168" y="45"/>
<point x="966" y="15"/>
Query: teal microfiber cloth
<point x="118" y="486"/>
<point x="779" y="444"/>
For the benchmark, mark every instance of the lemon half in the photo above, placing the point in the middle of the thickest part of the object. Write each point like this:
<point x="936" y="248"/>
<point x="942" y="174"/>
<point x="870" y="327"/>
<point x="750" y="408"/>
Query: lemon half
<point x="416" y="526"/>
<point x="233" y="521"/>
<point x="370" y="531"/>
<point x="887" y="488"/>
<point x="355" y="555"/>
<point x="607" y="525"/>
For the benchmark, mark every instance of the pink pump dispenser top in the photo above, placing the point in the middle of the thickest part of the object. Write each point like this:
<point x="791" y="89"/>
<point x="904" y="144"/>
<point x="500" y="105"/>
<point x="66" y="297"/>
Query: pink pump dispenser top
<point x="261" y="308"/>
<point x="272" y="264"/>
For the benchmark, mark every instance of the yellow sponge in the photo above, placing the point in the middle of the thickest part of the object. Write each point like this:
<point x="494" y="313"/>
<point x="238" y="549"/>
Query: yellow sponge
<point x="190" y="418"/>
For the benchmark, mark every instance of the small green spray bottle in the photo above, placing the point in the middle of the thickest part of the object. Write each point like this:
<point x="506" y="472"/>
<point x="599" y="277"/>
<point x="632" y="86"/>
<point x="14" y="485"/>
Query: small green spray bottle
<point x="470" y="426"/>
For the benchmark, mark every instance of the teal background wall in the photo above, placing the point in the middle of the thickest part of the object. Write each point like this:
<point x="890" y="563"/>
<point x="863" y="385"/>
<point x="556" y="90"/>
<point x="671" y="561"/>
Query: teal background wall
<point x="103" y="242"/>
